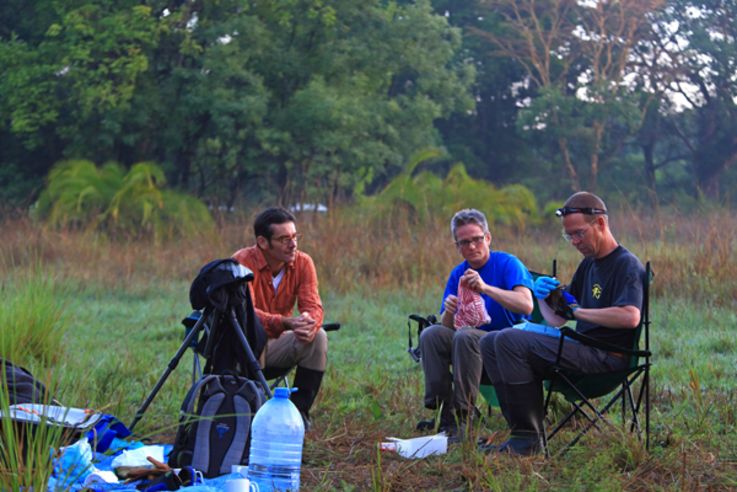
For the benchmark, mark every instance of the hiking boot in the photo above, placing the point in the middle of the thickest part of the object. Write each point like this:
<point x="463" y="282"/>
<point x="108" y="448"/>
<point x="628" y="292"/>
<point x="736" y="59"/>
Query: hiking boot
<point x="524" y="411"/>
<point x="466" y="422"/>
<point x="306" y="421"/>
<point x="425" y="425"/>
<point x="449" y="427"/>
<point x="308" y="382"/>
<point x="447" y="424"/>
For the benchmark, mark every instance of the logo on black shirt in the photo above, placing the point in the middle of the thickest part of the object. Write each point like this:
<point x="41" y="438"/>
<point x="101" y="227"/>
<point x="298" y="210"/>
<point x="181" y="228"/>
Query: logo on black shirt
<point x="596" y="291"/>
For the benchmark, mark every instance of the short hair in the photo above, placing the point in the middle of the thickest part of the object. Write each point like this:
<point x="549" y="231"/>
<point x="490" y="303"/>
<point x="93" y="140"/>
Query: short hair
<point x="264" y="220"/>
<point x="585" y="199"/>
<point x="585" y="203"/>
<point x="468" y="216"/>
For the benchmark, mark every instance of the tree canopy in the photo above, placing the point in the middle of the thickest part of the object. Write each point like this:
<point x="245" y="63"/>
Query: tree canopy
<point x="305" y="101"/>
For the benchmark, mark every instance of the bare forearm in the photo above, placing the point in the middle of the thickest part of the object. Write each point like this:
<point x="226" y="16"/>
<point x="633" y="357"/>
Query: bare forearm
<point x="618" y="317"/>
<point x="621" y="317"/>
<point x="550" y="315"/>
<point x="447" y="318"/>
<point x="518" y="300"/>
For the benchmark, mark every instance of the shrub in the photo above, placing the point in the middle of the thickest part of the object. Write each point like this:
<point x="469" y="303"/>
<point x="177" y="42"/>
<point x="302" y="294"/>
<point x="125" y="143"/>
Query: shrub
<point x="135" y="204"/>
<point x="424" y="195"/>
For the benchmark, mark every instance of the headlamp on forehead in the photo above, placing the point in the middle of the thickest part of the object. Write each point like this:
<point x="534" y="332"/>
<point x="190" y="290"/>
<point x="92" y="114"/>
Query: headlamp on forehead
<point x="563" y="211"/>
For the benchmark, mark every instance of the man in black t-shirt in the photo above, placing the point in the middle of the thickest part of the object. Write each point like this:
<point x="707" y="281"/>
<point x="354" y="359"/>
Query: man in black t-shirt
<point x="604" y="298"/>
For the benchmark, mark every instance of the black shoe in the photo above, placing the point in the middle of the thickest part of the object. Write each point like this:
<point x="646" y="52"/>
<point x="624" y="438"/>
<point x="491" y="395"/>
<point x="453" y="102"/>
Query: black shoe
<point x="306" y="421"/>
<point x="522" y="446"/>
<point x="308" y="383"/>
<point x="448" y="427"/>
<point x="517" y="446"/>
<point x="524" y="412"/>
<point x="463" y="425"/>
<point x="425" y="425"/>
<point x="485" y="445"/>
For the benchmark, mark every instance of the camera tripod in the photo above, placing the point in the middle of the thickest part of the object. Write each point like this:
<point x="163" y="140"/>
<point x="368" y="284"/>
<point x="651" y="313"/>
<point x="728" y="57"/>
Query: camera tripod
<point x="213" y="315"/>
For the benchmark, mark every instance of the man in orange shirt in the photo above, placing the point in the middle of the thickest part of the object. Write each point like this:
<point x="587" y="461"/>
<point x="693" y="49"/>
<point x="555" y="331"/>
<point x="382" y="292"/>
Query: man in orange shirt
<point x="283" y="277"/>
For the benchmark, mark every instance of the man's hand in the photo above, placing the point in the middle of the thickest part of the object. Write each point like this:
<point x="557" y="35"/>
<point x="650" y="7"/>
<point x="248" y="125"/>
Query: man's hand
<point x="303" y="326"/>
<point x="473" y="281"/>
<point x="544" y="286"/>
<point x="451" y="304"/>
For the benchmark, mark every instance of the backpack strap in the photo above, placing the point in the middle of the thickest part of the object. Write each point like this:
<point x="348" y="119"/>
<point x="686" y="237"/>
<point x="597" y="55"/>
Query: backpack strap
<point x="205" y="415"/>
<point x="188" y="405"/>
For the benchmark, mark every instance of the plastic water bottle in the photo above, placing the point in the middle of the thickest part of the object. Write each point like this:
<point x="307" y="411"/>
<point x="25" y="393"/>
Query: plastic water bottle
<point x="277" y="435"/>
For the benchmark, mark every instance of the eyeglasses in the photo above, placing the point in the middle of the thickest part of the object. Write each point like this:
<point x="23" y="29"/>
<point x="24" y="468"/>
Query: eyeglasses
<point x="465" y="243"/>
<point x="563" y="211"/>
<point x="578" y="235"/>
<point x="287" y="240"/>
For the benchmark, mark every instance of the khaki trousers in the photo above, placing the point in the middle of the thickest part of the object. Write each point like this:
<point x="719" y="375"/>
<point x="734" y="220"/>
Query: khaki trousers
<point x="442" y="347"/>
<point x="286" y="352"/>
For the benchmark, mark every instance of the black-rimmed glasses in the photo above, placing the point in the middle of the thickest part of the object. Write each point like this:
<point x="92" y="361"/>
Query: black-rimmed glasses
<point x="465" y="243"/>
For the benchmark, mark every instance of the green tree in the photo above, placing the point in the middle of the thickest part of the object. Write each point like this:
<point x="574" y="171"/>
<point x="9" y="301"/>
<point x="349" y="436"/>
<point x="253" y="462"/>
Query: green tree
<point x="486" y="138"/>
<point x="356" y="87"/>
<point x="575" y="55"/>
<point x="66" y="80"/>
<point x="700" y="47"/>
<point x="294" y="100"/>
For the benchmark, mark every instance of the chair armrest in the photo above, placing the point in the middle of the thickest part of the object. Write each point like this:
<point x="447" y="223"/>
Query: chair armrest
<point x="567" y="332"/>
<point x="331" y="326"/>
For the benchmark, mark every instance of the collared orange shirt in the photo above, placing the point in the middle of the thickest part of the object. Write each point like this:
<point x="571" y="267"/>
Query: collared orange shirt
<point x="299" y="285"/>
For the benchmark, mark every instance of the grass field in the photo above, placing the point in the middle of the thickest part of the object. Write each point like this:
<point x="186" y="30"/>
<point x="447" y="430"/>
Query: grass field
<point x="121" y="306"/>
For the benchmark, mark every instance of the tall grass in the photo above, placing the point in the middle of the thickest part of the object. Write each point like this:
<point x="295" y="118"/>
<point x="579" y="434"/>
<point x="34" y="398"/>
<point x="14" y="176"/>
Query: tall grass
<point x="33" y="321"/>
<point x="33" y="326"/>
<point x="26" y="449"/>
<point x="694" y="257"/>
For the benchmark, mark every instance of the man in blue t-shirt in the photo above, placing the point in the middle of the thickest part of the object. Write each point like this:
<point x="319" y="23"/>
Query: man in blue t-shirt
<point x="604" y="298"/>
<point x="505" y="286"/>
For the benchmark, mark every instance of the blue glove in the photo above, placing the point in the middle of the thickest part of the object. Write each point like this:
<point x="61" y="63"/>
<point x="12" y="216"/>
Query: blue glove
<point x="570" y="300"/>
<point x="544" y="286"/>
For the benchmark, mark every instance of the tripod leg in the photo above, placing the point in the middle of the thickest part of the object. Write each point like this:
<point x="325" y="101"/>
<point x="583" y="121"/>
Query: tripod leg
<point x="192" y="335"/>
<point x="254" y="365"/>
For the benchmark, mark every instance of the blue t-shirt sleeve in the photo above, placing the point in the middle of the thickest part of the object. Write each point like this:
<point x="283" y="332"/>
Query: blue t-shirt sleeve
<point x="506" y="271"/>
<point x="517" y="274"/>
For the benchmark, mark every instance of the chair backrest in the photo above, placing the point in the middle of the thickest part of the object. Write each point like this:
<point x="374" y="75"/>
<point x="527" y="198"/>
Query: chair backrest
<point x="536" y="316"/>
<point x="644" y="325"/>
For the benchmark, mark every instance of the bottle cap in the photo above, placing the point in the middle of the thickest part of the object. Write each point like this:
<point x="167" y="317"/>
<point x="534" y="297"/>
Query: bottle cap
<point x="281" y="392"/>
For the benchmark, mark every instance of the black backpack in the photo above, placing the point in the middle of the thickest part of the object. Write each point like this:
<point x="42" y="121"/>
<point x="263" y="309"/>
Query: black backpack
<point x="218" y="434"/>
<point x="221" y="286"/>
<point x="21" y="385"/>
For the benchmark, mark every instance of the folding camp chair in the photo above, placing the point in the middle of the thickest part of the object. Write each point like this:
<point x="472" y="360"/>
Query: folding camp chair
<point x="486" y="389"/>
<point x="581" y="390"/>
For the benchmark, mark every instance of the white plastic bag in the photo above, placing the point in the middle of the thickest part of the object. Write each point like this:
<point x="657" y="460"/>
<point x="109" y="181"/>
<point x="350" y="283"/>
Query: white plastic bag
<point x="137" y="457"/>
<point x="418" y="447"/>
